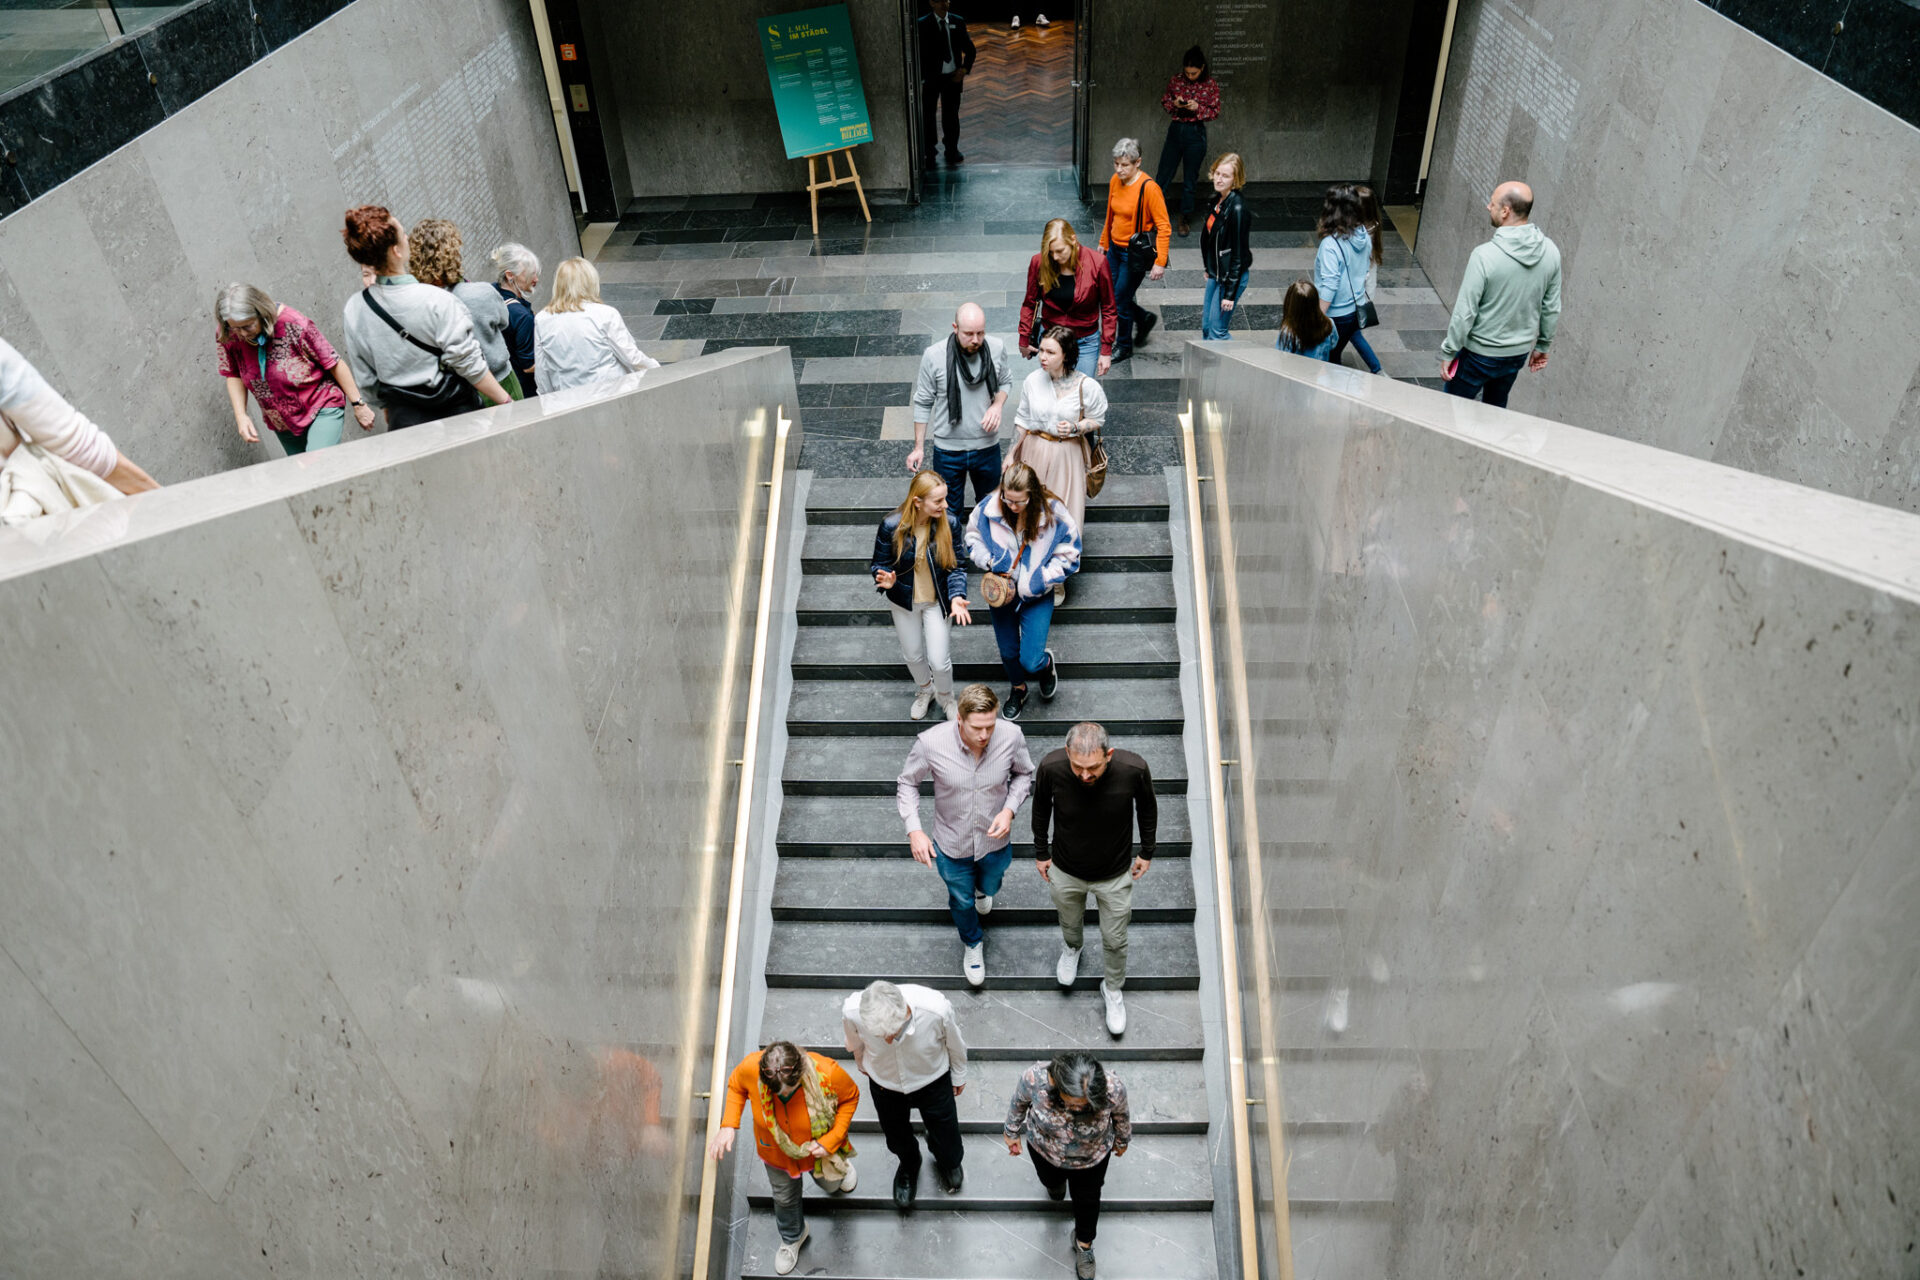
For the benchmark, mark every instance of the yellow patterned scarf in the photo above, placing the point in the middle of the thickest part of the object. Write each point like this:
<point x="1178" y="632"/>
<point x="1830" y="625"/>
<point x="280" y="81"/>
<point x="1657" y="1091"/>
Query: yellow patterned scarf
<point x="821" y="1110"/>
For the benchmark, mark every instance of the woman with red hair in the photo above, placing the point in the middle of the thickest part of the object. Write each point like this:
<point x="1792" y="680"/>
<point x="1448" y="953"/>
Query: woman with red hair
<point x="411" y="346"/>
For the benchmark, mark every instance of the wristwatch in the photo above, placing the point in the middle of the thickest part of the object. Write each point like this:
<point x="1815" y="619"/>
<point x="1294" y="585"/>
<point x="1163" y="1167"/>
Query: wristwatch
<point x="358" y="404"/>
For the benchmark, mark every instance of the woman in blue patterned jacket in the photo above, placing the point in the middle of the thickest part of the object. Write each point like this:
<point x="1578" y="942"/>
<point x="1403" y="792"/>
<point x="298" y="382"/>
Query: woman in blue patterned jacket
<point x="1025" y="537"/>
<point x="1073" y="1112"/>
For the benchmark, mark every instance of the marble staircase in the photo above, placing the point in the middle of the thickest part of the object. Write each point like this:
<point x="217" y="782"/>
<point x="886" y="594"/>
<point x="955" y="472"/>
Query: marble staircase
<point x="849" y="906"/>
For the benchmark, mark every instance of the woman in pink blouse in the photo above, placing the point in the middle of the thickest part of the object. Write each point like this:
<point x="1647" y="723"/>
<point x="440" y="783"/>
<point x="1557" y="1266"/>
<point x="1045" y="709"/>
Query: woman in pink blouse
<point x="304" y="390"/>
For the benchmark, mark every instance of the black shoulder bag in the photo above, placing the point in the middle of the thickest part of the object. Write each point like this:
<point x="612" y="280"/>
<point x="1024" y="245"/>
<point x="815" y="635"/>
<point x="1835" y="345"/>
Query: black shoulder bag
<point x="445" y="392"/>
<point x="1144" y="248"/>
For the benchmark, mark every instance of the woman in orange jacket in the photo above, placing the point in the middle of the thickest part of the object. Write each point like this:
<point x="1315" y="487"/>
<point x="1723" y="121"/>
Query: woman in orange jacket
<point x="802" y="1107"/>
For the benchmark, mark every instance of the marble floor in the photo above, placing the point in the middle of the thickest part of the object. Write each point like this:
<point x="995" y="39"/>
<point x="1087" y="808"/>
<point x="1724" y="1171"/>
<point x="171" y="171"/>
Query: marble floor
<point x="856" y="306"/>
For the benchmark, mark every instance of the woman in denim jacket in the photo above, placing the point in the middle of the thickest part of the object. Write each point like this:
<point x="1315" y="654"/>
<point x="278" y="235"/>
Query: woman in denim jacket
<point x="1026" y="533"/>
<point x="917" y="566"/>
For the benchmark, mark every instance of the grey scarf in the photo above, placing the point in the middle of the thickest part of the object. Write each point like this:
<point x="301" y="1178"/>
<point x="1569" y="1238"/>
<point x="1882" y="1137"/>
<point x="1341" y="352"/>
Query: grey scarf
<point x="957" y="369"/>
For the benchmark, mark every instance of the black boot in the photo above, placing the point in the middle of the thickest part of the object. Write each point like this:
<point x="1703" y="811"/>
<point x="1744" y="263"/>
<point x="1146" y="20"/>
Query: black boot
<point x="906" y="1186"/>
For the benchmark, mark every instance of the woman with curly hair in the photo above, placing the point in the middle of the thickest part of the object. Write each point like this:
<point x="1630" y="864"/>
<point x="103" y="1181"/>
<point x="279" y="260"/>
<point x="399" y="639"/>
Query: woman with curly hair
<point x="437" y="261"/>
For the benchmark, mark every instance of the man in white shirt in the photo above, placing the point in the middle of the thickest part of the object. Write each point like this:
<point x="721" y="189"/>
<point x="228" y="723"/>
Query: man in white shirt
<point x="904" y="1039"/>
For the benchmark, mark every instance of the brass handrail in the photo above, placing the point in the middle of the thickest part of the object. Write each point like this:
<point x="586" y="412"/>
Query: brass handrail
<point x="1224" y="898"/>
<point x="736" y="878"/>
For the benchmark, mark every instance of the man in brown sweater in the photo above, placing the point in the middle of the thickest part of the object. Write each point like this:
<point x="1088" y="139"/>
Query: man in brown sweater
<point x="1097" y="792"/>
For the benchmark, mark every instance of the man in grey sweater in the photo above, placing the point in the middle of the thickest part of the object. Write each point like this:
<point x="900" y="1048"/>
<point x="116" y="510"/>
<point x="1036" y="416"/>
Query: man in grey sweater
<point x="961" y="389"/>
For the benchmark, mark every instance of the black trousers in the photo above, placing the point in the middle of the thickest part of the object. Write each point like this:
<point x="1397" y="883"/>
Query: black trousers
<point x="1082" y="1184"/>
<point x="944" y="92"/>
<point x="934" y="1102"/>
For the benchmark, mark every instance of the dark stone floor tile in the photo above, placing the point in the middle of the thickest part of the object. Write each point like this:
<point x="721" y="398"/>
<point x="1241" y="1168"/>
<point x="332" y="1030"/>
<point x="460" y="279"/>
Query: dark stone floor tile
<point x="779" y="325"/>
<point x="893" y="344"/>
<point x="1143" y="419"/>
<point x="815" y="395"/>
<point x="768" y="234"/>
<point x="1131" y="390"/>
<point x="804" y="348"/>
<point x="1142" y="455"/>
<point x="870" y="393"/>
<point x="704" y="325"/>
<point x="860" y="321"/>
<point x="630" y="253"/>
<point x="683" y="307"/>
<point x="657" y="220"/>
<point x="698" y="235"/>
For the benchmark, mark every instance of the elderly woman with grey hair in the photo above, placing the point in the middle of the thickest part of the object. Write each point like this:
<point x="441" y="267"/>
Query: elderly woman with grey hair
<point x="516" y="275"/>
<point x="1073" y="1113"/>
<point x="302" y="387"/>
<point x="906" y="1042"/>
<point x="1136" y="237"/>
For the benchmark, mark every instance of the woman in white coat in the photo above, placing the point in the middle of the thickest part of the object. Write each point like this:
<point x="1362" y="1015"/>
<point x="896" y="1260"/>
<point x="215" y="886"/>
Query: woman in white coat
<point x="578" y="339"/>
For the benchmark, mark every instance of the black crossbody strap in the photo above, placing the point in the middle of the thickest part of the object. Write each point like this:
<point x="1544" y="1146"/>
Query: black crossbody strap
<point x="366" y="296"/>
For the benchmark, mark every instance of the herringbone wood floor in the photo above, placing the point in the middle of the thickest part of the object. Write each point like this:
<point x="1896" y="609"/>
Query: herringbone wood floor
<point x="1017" y="107"/>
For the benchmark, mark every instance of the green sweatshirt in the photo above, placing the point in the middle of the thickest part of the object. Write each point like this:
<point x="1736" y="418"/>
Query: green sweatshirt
<point x="1509" y="303"/>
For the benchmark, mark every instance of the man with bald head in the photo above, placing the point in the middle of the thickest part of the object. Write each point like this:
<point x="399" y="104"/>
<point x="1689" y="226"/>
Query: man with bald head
<point x="960" y="391"/>
<point x="1509" y="303"/>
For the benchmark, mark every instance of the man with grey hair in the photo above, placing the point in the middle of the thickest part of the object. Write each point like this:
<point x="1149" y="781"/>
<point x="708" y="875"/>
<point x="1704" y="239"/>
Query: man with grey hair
<point x="905" y="1040"/>
<point x="960" y="390"/>
<point x="1097" y="792"/>
<point x="1136" y="237"/>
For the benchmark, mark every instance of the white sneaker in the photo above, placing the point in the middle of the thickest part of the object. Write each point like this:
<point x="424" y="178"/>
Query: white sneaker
<point x="1068" y="967"/>
<point x="974" y="964"/>
<point x="952" y="707"/>
<point x="1059" y="595"/>
<point x="1337" y="1011"/>
<point x="921" y="701"/>
<point x="849" y="1182"/>
<point x="1016" y="22"/>
<point x="1041" y="21"/>
<point x="983" y="903"/>
<point x="788" y="1256"/>
<point x="1116" y="1009"/>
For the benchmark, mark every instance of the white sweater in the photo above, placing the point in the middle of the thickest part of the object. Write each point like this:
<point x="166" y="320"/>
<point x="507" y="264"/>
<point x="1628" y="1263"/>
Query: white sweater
<point x="31" y="409"/>
<point x="574" y="348"/>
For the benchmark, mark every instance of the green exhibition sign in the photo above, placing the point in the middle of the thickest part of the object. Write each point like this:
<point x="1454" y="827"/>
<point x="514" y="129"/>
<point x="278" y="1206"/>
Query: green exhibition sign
<point x="816" y="80"/>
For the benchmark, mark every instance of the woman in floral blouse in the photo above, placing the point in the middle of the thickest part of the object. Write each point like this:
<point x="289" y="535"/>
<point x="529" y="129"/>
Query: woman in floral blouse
<point x="304" y="390"/>
<point x="1073" y="1112"/>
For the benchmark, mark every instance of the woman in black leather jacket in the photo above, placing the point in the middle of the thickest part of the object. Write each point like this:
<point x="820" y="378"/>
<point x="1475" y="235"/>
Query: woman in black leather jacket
<point x="919" y="564"/>
<point x="1224" y="247"/>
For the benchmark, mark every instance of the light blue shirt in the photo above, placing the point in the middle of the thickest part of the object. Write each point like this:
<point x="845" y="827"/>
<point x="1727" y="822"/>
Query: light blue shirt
<point x="1340" y="271"/>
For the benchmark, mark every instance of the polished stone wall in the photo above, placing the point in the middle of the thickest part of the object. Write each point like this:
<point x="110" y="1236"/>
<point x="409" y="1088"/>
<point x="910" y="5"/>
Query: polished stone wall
<point x="107" y="280"/>
<point x="1589" y="771"/>
<point x="1738" y="233"/>
<point x="1308" y="93"/>
<point x="686" y="101"/>
<point x="367" y="822"/>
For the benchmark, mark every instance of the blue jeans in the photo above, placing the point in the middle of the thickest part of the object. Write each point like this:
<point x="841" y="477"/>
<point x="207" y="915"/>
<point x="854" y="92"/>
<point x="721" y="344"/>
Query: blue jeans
<point x="966" y="877"/>
<point x="1186" y="141"/>
<point x="1213" y="321"/>
<point x="1125" y="285"/>
<point x="1349" y="330"/>
<point x="1493" y="375"/>
<point x="982" y="465"/>
<point x="1021" y="631"/>
<point x="1089" y="358"/>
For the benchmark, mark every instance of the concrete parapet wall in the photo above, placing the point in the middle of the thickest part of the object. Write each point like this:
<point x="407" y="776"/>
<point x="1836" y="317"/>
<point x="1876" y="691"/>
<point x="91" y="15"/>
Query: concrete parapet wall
<point x="1591" y="772"/>
<point x="107" y="282"/>
<point x="367" y="818"/>
<point x="1741" y="235"/>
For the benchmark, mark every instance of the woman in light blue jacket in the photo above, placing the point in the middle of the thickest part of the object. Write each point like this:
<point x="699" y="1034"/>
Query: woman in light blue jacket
<point x="1340" y="270"/>
<point x="1026" y="534"/>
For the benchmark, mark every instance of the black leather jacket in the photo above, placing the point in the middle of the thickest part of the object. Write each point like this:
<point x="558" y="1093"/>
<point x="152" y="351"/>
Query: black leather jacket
<point x="1225" y="250"/>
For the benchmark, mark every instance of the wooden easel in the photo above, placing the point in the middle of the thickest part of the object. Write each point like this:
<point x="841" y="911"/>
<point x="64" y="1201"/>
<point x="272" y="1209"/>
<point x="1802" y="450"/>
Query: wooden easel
<point x="815" y="186"/>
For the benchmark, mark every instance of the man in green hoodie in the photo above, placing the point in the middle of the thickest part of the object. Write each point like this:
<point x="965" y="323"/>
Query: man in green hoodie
<point x="1509" y="303"/>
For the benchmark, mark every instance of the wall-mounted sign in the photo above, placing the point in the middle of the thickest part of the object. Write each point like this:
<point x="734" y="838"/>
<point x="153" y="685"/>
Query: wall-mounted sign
<point x="816" y="80"/>
<point x="577" y="93"/>
<point x="568" y="53"/>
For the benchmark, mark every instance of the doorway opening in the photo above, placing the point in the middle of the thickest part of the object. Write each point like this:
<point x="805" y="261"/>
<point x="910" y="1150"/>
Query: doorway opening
<point x="1016" y="106"/>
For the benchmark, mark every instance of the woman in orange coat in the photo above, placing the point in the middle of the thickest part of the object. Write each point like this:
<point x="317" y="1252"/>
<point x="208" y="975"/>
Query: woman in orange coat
<point x="802" y="1108"/>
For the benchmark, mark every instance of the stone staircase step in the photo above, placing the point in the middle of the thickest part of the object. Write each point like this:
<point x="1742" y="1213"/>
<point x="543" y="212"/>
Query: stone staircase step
<point x="1125" y="707"/>
<point x="1099" y="650"/>
<point x="1166" y="1095"/>
<point x="1125" y="547"/>
<point x="846" y="599"/>
<point x="1159" y="1173"/>
<point x="901" y="891"/>
<point x="864" y="500"/>
<point x="868" y="766"/>
<point x="865" y="826"/>
<point x="1160" y="957"/>
<point x="939" y="1241"/>
<point x="1019" y="1026"/>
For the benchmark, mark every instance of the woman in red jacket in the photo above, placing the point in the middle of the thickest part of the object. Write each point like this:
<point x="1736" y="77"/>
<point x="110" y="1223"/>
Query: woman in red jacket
<point x="1073" y="290"/>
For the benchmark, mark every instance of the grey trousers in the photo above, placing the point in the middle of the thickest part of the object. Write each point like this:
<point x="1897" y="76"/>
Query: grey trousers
<point x="787" y="1214"/>
<point x="1114" y="898"/>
